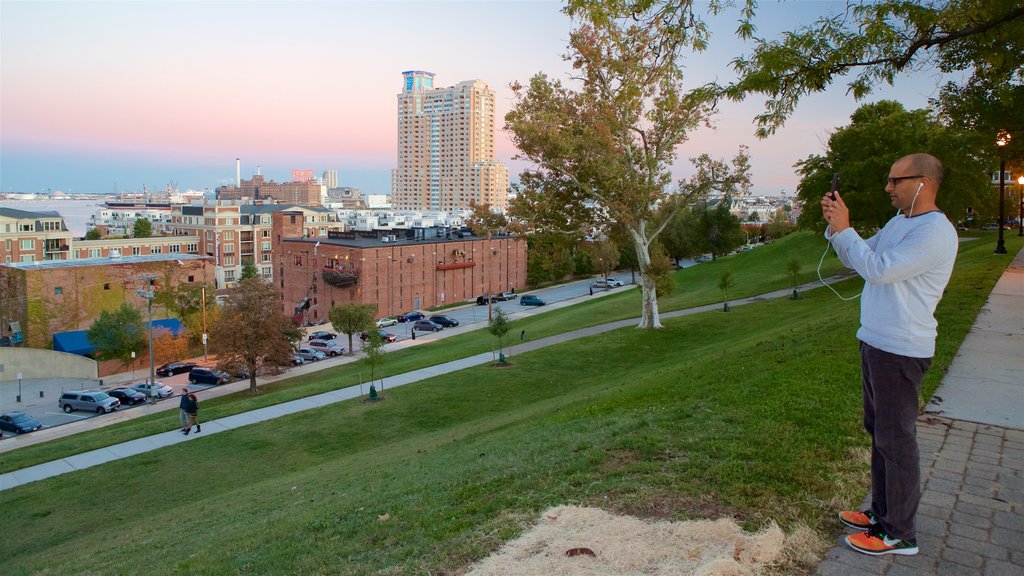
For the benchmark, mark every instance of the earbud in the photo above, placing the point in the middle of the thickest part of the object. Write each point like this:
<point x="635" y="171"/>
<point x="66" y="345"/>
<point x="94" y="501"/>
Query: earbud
<point x="919" y="186"/>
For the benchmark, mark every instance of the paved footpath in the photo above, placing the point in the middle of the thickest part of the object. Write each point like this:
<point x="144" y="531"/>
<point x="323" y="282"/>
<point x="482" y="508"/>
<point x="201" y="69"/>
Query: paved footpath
<point x="971" y="517"/>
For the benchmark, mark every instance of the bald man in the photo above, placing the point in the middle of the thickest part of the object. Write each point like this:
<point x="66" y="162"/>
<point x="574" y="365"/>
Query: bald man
<point x="906" y="267"/>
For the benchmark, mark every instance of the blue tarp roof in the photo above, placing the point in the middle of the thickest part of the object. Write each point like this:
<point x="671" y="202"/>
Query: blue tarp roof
<point x="75" y="342"/>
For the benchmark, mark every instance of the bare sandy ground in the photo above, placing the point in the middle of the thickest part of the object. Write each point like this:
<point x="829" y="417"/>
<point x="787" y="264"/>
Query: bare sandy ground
<point x="590" y="541"/>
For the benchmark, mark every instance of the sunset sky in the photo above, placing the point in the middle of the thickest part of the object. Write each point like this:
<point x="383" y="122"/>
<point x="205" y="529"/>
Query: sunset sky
<point x="95" y="95"/>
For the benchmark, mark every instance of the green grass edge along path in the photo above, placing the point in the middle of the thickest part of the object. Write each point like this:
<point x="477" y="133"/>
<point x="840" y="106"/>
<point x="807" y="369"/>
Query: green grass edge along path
<point x="753" y="413"/>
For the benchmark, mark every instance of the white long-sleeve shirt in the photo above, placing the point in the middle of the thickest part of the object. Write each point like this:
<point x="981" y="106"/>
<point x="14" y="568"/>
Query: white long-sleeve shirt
<point x="906" y="266"/>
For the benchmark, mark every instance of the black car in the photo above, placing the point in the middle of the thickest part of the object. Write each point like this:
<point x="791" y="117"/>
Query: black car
<point x="19" y="423"/>
<point x="202" y="375"/>
<point x="322" y="335"/>
<point x="128" y="396"/>
<point x="386" y="337"/>
<point x="446" y="321"/>
<point x="172" y="368"/>
<point x="411" y="317"/>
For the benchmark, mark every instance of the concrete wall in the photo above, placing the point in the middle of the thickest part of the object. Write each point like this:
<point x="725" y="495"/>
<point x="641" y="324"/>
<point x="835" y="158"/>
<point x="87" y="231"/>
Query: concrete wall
<point x="38" y="363"/>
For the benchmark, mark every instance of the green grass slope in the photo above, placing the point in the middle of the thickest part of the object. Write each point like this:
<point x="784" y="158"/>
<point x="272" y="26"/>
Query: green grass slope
<point x="754" y="413"/>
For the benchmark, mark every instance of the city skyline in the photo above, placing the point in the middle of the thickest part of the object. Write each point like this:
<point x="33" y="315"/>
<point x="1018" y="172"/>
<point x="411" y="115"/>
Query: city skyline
<point x="103" y="94"/>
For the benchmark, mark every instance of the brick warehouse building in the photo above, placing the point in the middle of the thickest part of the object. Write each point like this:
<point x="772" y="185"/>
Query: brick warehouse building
<point x="47" y="297"/>
<point x="423" y="268"/>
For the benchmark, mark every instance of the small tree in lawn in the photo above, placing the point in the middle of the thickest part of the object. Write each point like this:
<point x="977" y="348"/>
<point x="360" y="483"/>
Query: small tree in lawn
<point x="793" y="271"/>
<point x="724" y="284"/>
<point x="499" y="327"/>
<point x="374" y="353"/>
<point x="353" y="318"/>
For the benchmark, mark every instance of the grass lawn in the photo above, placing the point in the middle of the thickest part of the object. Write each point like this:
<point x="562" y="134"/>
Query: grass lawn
<point x="754" y="272"/>
<point x="754" y="413"/>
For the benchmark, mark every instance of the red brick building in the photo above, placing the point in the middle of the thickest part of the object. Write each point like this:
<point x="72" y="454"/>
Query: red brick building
<point x="419" y="269"/>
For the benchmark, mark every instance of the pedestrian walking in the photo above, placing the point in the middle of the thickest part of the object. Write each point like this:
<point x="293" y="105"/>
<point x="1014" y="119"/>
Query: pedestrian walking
<point x="193" y="413"/>
<point x="183" y="406"/>
<point x="413" y="332"/>
<point x="591" y="290"/>
<point x="905" y="267"/>
<point x="522" y="335"/>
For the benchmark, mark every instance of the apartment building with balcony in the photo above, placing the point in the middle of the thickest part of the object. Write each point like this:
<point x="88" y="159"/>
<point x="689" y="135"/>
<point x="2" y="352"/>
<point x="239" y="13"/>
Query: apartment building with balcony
<point x="446" y="147"/>
<point x="33" y="236"/>
<point x="233" y="234"/>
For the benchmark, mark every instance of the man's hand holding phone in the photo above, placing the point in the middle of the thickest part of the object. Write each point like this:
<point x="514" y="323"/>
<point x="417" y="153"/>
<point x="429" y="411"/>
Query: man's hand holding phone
<point x="834" y="209"/>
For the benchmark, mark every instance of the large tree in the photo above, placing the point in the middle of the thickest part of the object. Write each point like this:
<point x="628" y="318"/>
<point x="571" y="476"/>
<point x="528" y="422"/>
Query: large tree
<point x="143" y="228"/>
<point x="352" y="319"/>
<point x="863" y="151"/>
<point x="116" y="334"/>
<point x="252" y="331"/>
<point x="603" y="149"/>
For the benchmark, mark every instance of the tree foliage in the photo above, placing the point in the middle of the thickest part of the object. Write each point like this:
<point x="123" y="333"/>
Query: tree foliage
<point x="143" y="228"/>
<point x="252" y="331"/>
<point x="714" y="229"/>
<point x="167" y="347"/>
<point x="373" y="351"/>
<point x="863" y="152"/>
<point x="550" y="257"/>
<point x="249" y="270"/>
<point x="352" y="319"/>
<point x="603" y="153"/>
<point x="93" y="234"/>
<point x="484" y="222"/>
<point x="498" y="326"/>
<point x="117" y="333"/>
<point x="605" y="256"/>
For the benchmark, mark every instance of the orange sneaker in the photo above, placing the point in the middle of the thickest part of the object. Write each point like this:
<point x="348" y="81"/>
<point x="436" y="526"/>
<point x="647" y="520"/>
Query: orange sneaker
<point x="876" y="542"/>
<point x="858" y="520"/>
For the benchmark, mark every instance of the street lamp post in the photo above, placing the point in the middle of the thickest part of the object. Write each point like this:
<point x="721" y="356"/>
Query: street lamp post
<point x="148" y="295"/>
<point x="1002" y="139"/>
<point x="1020" y="207"/>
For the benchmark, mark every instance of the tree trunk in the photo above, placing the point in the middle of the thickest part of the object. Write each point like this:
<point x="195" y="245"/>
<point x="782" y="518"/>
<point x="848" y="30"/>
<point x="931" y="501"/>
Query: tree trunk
<point x="252" y="382"/>
<point x="649" y="311"/>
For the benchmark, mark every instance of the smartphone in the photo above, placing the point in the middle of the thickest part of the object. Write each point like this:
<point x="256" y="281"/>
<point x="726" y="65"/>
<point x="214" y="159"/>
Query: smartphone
<point x="835" y="186"/>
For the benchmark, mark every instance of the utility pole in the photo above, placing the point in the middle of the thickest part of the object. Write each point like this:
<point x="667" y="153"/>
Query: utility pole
<point x="204" y="323"/>
<point x="148" y="295"/>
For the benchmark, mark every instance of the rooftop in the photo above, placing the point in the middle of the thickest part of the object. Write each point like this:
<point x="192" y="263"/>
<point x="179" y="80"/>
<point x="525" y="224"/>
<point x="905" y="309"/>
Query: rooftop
<point x="83" y="262"/>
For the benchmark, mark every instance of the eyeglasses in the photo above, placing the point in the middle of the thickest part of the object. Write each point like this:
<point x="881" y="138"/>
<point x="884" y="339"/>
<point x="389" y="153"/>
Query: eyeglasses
<point x="898" y="179"/>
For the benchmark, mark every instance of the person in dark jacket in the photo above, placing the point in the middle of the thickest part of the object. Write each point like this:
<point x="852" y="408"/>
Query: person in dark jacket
<point x="183" y="412"/>
<point x="193" y="414"/>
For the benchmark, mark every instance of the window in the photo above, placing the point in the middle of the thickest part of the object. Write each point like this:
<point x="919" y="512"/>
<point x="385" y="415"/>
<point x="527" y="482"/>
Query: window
<point x="265" y="234"/>
<point x="265" y="258"/>
<point x="175" y="248"/>
<point x="229" y="248"/>
<point x="28" y="244"/>
<point x="94" y="253"/>
<point x="58" y="290"/>
<point x="265" y="246"/>
<point x="228" y="235"/>
<point x="229" y="260"/>
<point x="28" y="258"/>
<point x="229" y="275"/>
<point x="156" y="249"/>
<point x="136" y="250"/>
<point x="191" y="279"/>
<point x="106" y="286"/>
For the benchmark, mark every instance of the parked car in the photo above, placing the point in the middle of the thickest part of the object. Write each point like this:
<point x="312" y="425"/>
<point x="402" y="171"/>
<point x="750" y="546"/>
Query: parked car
<point x="162" y="390"/>
<point x="427" y="326"/>
<point x="506" y="296"/>
<point x="482" y="300"/>
<point x="531" y="300"/>
<point x="704" y="258"/>
<point x="322" y="335"/>
<point x="600" y="285"/>
<point x="612" y="282"/>
<point x="172" y="368"/>
<point x="297" y="360"/>
<point x="383" y="322"/>
<point x="19" y="423"/>
<point x="328" y="347"/>
<point x="204" y="375"/>
<point x="88" y="400"/>
<point x="446" y="321"/>
<point x="127" y="396"/>
<point x="386" y="337"/>
<point x="309" y="354"/>
<point x="411" y="317"/>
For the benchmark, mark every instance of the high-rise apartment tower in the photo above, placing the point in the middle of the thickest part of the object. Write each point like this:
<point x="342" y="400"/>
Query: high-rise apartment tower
<point x="446" y="147"/>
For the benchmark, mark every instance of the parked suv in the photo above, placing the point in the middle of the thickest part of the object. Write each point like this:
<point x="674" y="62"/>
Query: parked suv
<point x="328" y="347"/>
<point x="531" y="300"/>
<point x="99" y="402"/>
<point x="203" y="375"/>
<point x="446" y="321"/>
<point x="427" y="326"/>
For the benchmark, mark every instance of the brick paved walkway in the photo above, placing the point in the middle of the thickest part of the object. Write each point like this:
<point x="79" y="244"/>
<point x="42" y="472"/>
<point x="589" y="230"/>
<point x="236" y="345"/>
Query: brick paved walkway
<point x="971" y="517"/>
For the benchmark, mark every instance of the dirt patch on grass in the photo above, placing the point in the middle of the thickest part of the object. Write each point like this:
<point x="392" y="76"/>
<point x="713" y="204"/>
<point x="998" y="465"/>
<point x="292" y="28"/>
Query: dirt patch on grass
<point x="663" y="506"/>
<point x="589" y="541"/>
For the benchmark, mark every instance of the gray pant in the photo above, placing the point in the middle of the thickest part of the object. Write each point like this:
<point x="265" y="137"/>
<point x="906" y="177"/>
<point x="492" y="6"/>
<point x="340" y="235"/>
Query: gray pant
<point x="185" y="421"/>
<point x="891" y="383"/>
